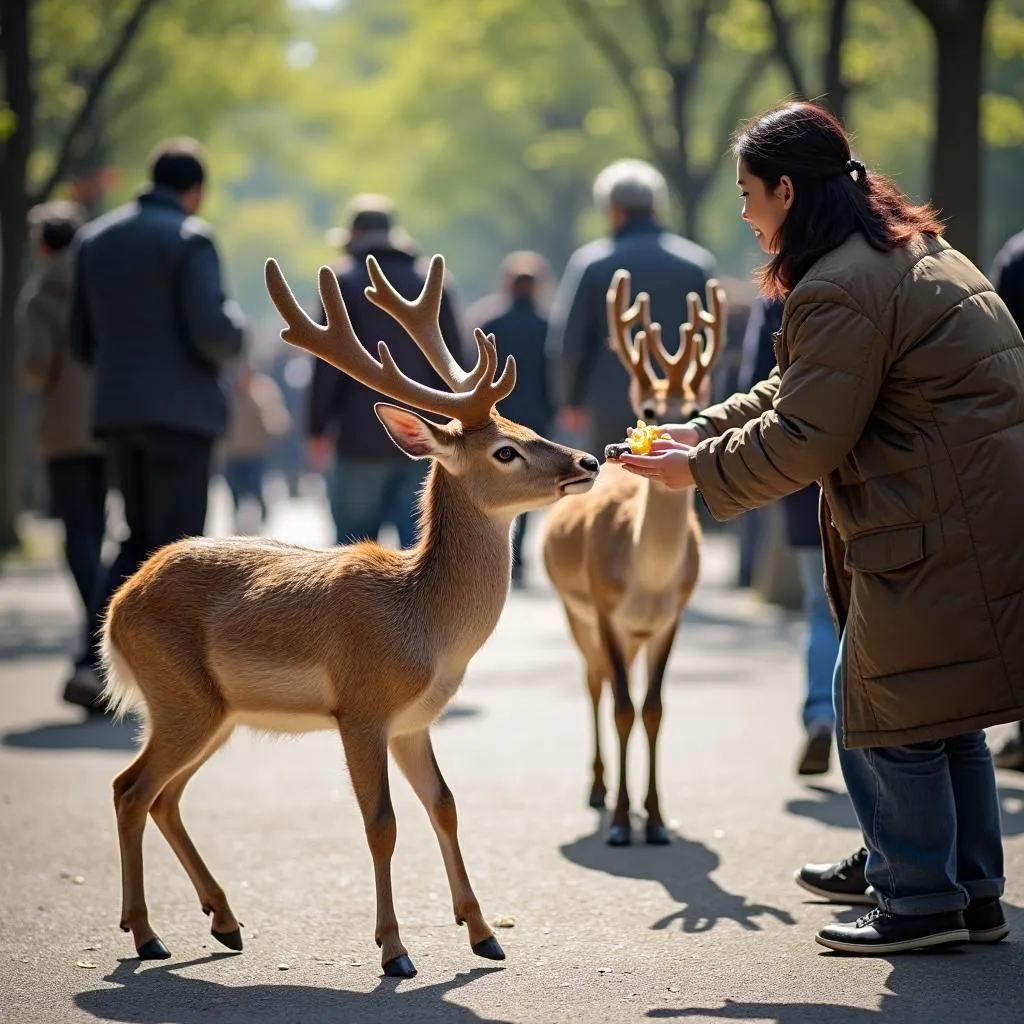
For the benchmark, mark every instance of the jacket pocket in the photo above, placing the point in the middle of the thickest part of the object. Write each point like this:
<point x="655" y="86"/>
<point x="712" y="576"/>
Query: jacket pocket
<point x="885" y="550"/>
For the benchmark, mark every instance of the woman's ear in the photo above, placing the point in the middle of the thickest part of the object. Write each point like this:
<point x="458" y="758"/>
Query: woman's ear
<point x="785" y="191"/>
<point x="417" y="437"/>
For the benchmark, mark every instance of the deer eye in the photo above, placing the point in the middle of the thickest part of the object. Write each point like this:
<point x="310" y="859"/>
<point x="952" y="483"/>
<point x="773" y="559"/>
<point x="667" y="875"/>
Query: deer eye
<point x="506" y="454"/>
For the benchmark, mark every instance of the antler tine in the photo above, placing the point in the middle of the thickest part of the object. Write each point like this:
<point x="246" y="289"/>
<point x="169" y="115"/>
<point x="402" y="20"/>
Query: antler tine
<point x="338" y="344"/>
<point x="421" y="320"/>
<point x="620" y="319"/>
<point x="712" y="328"/>
<point x="673" y="366"/>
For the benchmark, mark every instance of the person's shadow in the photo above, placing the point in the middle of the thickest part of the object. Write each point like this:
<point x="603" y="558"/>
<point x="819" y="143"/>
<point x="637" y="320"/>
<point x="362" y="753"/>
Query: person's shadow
<point x="91" y="732"/>
<point x="160" y="995"/>
<point x="966" y="984"/>
<point x="684" y="868"/>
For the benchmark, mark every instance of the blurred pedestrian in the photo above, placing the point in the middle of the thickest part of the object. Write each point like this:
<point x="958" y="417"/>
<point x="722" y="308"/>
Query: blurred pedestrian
<point x="520" y="328"/>
<point x="1007" y="276"/>
<point x="899" y="382"/>
<point x="372" y="482"/>
<point x="74" y="459"/>
<point x="257" y="418"/>
<point x="150" y="315"/>
<point x="590" y="384"/>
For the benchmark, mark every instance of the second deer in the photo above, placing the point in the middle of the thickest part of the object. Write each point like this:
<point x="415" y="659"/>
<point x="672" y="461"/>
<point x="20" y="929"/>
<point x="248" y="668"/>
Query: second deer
<point x="213" y="634"/>
<point x="625" y="557"/>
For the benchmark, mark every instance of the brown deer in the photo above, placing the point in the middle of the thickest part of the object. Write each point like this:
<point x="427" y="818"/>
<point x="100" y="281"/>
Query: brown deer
<point x="624" y="558"/>
<point x="212" y="634"/>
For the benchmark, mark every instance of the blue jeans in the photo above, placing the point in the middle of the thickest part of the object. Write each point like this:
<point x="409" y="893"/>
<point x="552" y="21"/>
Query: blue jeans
<point x="930" y="817"/>
<point x="244" y="478"/>
<point x="367" y="493"/>
<point x="822" y="646"/>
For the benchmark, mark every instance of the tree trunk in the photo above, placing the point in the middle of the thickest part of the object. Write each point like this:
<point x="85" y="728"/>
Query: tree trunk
<point x="956" y="153"/>
<point x="14" y="203"/>
<point x="836" y="88"/>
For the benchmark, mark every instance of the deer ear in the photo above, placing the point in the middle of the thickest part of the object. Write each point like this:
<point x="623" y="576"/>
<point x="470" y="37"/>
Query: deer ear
<point x="417" y="437"/>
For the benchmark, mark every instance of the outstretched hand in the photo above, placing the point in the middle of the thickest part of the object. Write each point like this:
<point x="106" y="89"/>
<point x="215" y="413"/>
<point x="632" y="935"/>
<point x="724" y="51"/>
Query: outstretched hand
<point x="667" y="464"/>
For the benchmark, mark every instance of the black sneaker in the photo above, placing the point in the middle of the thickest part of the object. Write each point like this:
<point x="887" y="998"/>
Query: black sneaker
<point x="817" y="751"/>
<point x="85" y="689"/>
<point x="985" y="921"/>
<point x="838" y="883"/>
<point x="1010" y="754"/>
<point x="879" y="933"/>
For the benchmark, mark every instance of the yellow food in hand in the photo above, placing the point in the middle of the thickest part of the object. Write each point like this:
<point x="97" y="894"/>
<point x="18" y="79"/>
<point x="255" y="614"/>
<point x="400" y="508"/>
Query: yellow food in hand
<point x="643" y="437"/>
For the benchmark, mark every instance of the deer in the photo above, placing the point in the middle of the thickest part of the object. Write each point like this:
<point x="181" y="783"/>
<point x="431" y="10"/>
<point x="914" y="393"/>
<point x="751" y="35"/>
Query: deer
<point x="210" y="634"/>
<point x="624" y="558"/>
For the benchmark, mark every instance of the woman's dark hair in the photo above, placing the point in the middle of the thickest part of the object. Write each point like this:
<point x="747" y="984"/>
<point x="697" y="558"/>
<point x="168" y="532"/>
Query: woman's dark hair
<point x="834" y="195"/>
<point x="177" y="164"/>
<point x="56" y="223"/>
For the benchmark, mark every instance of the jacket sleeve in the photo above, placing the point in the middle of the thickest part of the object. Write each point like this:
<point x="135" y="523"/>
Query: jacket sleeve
<point x="839" y="360"/>
<point x="39" y="354"/>
<point x="80" y="337"/>
<point x="573" y="337"/>
<point x="739" y="409"/>
<point x="214" y="324"/>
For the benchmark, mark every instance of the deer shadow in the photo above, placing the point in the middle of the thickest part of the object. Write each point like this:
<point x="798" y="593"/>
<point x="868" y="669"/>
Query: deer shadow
<point x="159" y="995"/>
<point x="684" y="868"/>
<point x="971" y="984"/>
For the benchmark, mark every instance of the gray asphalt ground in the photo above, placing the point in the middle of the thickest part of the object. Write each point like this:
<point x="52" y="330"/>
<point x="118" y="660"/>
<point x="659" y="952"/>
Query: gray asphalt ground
<point x="709" y="928"/>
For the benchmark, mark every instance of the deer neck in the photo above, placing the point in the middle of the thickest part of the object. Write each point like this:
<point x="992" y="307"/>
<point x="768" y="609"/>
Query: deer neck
<point x="461" y="566"/>
<point x="660" y="531"/>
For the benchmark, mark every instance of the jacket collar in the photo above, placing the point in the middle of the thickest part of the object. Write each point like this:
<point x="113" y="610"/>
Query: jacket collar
<point x="638" y="226"/>
<point x="160" y="195"/>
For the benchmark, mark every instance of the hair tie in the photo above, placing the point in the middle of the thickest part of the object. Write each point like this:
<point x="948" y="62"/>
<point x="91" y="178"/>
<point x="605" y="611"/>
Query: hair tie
<point x="852" y="166"/>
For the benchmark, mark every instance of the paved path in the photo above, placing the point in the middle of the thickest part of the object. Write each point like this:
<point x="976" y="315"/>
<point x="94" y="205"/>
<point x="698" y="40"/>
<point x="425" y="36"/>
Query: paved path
<point x="710" y="928"/>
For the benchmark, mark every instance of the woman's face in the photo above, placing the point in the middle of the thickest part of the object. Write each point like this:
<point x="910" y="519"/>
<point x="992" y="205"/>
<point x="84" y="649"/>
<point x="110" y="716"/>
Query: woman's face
<point x="764" y="208"/>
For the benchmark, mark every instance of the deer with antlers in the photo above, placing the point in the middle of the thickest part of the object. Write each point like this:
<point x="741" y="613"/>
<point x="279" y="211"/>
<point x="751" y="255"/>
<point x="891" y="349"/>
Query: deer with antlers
<point x="212" y="634"/>
<point x="625" y="557"/>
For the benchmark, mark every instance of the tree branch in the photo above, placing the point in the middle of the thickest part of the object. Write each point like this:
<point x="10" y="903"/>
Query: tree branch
<point x="732" y="111"/>
<point x="621" y="64"/>
<point x="129" y="30"/>
<point x="784" y="48"/>
<point x="661" y="30"/>
<point x="836" y="88"/>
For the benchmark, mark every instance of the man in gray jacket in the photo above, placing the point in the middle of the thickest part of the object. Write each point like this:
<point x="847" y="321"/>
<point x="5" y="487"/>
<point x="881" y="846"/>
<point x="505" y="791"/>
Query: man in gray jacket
<point x="589" y="381"/>
<point x="150" y="315"/>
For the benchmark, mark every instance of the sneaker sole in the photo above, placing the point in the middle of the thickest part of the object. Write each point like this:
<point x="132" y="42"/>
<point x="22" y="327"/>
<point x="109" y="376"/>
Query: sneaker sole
<point x="849" y="899"/>
<point x="996" y="934"/>
<point x="956" y="937"/>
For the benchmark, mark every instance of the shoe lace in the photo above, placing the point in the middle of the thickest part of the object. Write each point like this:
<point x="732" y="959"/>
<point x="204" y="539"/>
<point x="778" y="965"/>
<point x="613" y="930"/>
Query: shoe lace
<point x="854" y="860"/>
<point x="870" y="917"/>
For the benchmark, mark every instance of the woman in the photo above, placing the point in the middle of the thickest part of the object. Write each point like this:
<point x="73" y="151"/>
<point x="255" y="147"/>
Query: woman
<point x="900" y="386"/>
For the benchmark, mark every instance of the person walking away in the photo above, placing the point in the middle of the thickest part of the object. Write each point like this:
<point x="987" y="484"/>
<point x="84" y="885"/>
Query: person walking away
<point x="899" y="382"/>
<point x="149" y="313"/>
<point x="590" y="385"/>
<point x="74" y="460"/>
<point x="371" y="482"/>
<point x="521" y="330"/>
<point x="257" y="418"/>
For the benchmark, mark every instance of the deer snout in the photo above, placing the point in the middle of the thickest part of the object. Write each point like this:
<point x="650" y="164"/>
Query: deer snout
<point x="589" y="463"/>
<point x="588" y="467"/>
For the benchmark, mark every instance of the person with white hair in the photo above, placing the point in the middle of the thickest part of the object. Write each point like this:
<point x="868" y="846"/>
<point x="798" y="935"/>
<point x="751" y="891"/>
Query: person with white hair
<point x="588" y="380"/>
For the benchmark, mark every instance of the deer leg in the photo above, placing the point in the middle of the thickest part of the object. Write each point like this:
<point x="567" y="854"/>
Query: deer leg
<point x="166" y="812"/>
<point x="414" y="755"/>
<point x="619" y="834"/>
<point x="367" y="755"/>
<point x="598" y="791"/>
<point x="166" y="752"/>
<point x="657" y="659"/>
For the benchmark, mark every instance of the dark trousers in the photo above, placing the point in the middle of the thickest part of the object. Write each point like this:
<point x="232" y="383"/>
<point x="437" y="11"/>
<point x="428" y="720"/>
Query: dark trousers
<point x="164" y="480"/>
<point x="78" y="494"/>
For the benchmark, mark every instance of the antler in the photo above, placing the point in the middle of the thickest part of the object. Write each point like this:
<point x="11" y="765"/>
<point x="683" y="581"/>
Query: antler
<point x="633" y="354"/>
<point x="674" y="367"/>
<point x="712" y="329"/>
<point x="477" y="392"/>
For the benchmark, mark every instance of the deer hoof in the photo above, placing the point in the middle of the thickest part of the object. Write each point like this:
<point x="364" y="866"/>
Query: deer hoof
<point x="657" y="835"/>
<point x="233" y="940"/>
<point x="489" y="949"/>
<point x="400" y="967"/>
<point x="154" y="950"/>
<point x="619" y="835"/>
<point x="597" y="795"/>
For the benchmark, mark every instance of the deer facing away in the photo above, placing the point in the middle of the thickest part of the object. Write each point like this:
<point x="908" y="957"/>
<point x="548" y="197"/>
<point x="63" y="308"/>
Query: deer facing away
<point x="625" y="557"/>
<point x="212" y="634"/>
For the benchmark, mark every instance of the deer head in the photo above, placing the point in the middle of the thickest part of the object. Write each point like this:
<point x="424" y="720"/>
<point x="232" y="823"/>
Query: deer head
<point x="504" y="468"/>
<point x="684" y="388"/>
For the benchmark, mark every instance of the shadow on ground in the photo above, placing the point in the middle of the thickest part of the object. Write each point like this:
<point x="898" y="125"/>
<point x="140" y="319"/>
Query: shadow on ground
<point x="91" y="732"/>
<point x="161" y="994"/>
<point x="970" y="984"/>
<point x="833" y="808"/>
<point x="36" y="634"/>
<point x="684" y="869"/>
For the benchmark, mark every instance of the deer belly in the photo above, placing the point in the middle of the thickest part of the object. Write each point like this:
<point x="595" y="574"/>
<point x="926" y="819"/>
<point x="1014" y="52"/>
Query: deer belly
<point x="644" y="613"/>
<point x="419" y="713"/>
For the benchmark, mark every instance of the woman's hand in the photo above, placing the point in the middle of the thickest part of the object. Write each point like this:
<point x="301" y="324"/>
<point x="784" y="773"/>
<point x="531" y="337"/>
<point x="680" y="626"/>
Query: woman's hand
<point x="667" y="464"/>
